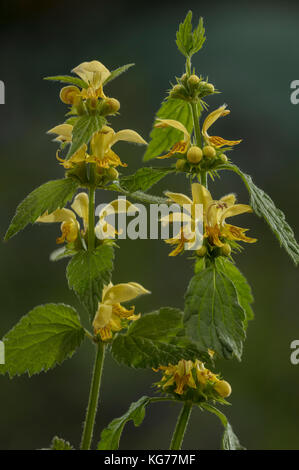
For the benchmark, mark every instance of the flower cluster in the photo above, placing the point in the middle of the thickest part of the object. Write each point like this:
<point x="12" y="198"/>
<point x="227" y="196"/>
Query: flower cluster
<point x="189" y="380"/>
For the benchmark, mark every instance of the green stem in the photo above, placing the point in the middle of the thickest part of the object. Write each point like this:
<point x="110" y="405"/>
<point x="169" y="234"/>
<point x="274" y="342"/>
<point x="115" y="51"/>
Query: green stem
<point x="91" y="208"/>
<point x="93" y="397"/>
<point x="196" y="124"/>
<point x="181" y="425"/>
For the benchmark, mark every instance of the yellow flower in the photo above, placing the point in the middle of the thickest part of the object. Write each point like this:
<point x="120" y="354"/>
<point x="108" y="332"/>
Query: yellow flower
<point x="93" y="73"/>
<point x="210" y="119"/>
<point x="111" y="314"/>
<point x="215" y="215"/>
<point x="104" y="229"/>
<point x="191" y="375"/>
<point x="102" y="142"/>
<point x="70" y="227"/>
<point x="63" y="131"/>
<point x="183" y="145"/>
<point x="192" y="216"/>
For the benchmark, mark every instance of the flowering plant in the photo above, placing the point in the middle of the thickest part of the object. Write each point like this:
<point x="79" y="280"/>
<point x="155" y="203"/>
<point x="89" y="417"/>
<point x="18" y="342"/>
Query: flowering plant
<point x="183" y="345"/>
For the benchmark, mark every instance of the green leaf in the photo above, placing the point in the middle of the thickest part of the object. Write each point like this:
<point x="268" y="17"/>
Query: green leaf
<point x="264" y="207"/>
<point x="189" y="42"/>
<point x="229" y="440"/>
<point x="115" y="73"/>
<point x="111" y="435"/>
<point x="43" y="338"/>
<point x="48" y="197"/>
<point x="243" y="289"/>
<point x="214" y="318"/>
<point x="162" y="139"/>
<point x="88" y="272"/>
<point x="84" y="129"/>
<point x="154" y="340"/>
<point x="60" y="444"/>
<point x="144" y="178"/>
<point x="68" y="79"/>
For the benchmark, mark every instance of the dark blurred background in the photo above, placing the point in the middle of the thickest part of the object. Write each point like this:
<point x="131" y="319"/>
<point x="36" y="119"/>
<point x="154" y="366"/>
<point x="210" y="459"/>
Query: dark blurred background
<point x="251" y="56"/>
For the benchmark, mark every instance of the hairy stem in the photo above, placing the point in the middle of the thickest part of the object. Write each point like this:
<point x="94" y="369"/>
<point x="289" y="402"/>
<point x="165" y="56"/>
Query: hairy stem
<point x="91" y="208"/>
<point x="93" y="397"/>
<point x="197" y="133"/>
<point x="181" y="426"/>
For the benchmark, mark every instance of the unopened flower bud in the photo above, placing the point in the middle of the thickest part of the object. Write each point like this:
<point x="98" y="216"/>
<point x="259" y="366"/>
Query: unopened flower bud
<point x="68" y="94"/>
<point x="110" y="106"/>
<point x="178" y="91"/>
<point x="210" y="88"/>
<point x="112" y="173"/>
<point x="223" y="388"/>
<point x="225" y="250"/>
<point x="209" y="151"/>
<point x="193" y="81"/>
<point x="202" y="251"/>
<point x="184" y="77"/>
<point x="223" y="157"/>
<point x="194" y="154"/>
<point x="180" y="164"/>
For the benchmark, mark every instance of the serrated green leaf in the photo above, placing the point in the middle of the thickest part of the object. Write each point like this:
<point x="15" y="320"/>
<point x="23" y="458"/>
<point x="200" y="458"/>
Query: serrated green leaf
<point x="229" y="440"/>
<point x="48" y="197"/>
<point x="243" y="289"/>
<point x="43" y="338"/>
<point x="60" y="444"/>
<point x="144" y="178"/>
<point x="154" y="340"/>
<point x="213" y="317"/>
<point x="189" y="42"/>
<point x="83" y="130"/>
<point x="117" y="72"/>
<point x="88" y="272"/>
<point x="68" y="79"/>
<point x="264" y="207"/>
<point x="111" y="435"/>
<point x="162" y="139"/>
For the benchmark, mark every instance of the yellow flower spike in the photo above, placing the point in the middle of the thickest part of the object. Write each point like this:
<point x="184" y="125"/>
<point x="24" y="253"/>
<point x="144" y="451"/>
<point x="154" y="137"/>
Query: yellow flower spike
<point x="94" y="73"/>
<point x="194" y="377"/>
<point x="110" y="313"/>
<point x="103" y="140"/>
<point x="183" y="145"/>
<point x="63" y="131"/>
<point x="210" y="119"/>
<point x="69" y="225"/>
<point x="215" y="215"/>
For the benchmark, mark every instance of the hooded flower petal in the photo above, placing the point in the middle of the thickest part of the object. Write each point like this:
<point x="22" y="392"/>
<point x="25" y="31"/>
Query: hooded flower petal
<point x="63" y="131"/>
<point x="80" y="206"/>
<point x="123" y="292"/>
<point x="128" y="135"/>
<point x="181" y="146"/>
<point x="210" y="119"/>
<point x="94" y="73"/>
